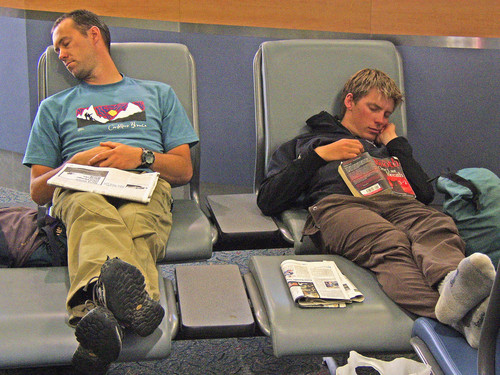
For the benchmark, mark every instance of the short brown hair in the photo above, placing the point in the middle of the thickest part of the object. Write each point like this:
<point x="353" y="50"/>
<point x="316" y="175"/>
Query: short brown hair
<point x="366" y="79"/>
<point x="84" y="20"/>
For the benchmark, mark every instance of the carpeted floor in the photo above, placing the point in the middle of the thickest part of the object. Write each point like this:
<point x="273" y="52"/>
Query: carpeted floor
<point x="242" y="356"/>
<point x="11" y="197"/>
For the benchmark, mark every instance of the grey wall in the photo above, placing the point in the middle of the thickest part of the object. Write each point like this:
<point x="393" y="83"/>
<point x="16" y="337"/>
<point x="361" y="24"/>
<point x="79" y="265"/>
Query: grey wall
<point x="14" y="88"/>
<point x="452" y="98"/>
<point x="453" y="107"/>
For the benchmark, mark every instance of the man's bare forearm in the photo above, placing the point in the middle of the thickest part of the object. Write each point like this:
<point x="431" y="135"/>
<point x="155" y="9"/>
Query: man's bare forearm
<point x="40" y="191"/>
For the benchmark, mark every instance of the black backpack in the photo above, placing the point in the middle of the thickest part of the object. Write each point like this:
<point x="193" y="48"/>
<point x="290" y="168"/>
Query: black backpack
<point x="30" y="237"/>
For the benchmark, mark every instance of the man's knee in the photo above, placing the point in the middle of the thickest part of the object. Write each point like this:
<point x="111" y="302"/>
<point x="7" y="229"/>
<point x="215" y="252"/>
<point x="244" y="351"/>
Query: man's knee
<point x="386" y="245"/>
<point x="75" y="205"/>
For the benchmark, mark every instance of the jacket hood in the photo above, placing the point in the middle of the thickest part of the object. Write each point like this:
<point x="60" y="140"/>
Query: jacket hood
<point x="324" y="122"/>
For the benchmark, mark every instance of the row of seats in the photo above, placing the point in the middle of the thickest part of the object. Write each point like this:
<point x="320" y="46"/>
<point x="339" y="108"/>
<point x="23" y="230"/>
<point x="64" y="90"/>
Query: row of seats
<point x="293" y="80"/>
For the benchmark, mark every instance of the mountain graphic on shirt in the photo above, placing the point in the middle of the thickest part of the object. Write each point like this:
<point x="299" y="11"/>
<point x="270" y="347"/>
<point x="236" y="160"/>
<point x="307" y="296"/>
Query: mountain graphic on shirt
<point x="105" y="114"/>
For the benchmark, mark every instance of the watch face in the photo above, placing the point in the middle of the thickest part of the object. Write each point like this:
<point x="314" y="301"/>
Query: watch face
<point x="148" y="157"/>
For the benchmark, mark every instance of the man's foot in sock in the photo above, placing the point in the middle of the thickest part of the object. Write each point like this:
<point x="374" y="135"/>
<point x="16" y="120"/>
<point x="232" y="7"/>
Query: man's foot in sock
<point x="122" y="289"/>
<point x="464" y="288"/>
<point x="100" y="338"/>
<point x="470" y="325"/>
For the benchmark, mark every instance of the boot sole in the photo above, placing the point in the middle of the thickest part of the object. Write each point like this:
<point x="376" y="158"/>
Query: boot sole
<point x="86" y="362"/>
<point x="99" y="333"/>
<point x="127" y="299"/>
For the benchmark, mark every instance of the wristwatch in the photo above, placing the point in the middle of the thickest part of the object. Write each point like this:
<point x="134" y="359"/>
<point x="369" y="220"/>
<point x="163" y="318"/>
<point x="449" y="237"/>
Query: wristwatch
<point x="147" y="158"/>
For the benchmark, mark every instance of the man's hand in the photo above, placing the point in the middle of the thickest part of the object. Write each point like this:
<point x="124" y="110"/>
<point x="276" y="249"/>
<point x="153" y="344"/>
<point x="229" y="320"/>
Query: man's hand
<point x="387" y="134"/>
<point x="342" y="149"/>
<point x="84" y="157"/>
<point x="117" y="155"/>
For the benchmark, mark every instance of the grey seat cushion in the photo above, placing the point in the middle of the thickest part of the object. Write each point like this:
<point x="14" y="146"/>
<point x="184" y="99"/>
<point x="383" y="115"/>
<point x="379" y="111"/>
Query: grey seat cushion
<point x="375" y="325"/>
<point x="34" y="321"/>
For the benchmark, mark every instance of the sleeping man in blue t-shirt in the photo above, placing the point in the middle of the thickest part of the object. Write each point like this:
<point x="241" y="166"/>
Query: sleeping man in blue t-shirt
<point x="108" y="120"/>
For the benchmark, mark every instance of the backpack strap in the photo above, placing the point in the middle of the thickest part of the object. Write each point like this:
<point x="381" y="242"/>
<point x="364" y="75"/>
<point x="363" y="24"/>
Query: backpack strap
<point x="40" y="217"/>
<point x="3" y="240"/>
<point x="5" y="256"/>
<point x="55" y="249"/>
<point x="469" y="185"/>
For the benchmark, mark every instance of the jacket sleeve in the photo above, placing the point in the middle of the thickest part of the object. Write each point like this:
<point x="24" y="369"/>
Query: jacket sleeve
<point x="287" y="179"/>
<point x="419" y="181"/>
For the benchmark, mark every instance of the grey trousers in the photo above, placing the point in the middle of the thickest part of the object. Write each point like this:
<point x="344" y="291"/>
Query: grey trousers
<point x="409" y="246"/>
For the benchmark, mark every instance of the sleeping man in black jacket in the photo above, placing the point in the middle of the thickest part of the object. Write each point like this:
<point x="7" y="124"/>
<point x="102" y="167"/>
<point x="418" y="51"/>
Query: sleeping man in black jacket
<point x="414" y="250"/>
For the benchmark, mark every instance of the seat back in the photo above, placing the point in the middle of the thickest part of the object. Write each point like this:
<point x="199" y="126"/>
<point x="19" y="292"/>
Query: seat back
<point x="170" y="63"/>
<point x="295" y="79"/>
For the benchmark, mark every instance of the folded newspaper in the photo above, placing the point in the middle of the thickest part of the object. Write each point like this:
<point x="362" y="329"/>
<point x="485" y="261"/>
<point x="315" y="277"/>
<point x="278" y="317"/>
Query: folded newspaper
<point x="319" y="284"/>
<point x="107" y="181"/>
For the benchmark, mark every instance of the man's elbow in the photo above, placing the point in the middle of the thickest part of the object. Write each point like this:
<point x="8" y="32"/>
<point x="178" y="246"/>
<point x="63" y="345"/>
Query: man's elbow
<point x="39" y="198"/>
<point x="267" y="207"/>
<point x="426" y="196"/>
<point x="187" y="176"/>
<point x="268" y="212"/>
<point x="184" y="178"/>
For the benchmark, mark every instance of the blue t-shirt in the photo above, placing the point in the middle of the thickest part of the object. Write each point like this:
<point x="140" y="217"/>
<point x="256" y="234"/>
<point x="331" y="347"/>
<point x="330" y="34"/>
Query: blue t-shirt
<point x="134" y="112"/>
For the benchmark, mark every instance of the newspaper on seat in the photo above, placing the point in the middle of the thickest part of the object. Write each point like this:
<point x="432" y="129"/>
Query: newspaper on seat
<point x="319" y="284"/>
<point x="107" y="181"/>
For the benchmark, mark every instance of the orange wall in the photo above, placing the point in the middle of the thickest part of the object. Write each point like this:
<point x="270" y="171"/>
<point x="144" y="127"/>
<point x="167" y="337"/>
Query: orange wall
<point x="479" y="18"/>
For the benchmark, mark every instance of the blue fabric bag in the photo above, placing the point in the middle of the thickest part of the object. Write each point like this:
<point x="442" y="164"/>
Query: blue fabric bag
<point x="472" y="199"/>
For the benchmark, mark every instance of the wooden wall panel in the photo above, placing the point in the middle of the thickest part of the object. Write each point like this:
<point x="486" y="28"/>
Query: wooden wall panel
<point x="164" y="10"/>
<point x="478" y="18"/>
<point x="325" y="15"/>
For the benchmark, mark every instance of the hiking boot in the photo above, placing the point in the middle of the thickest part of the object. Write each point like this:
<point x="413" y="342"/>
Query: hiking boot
<point x="121" y="288"/>
<point x="100" y="338"/>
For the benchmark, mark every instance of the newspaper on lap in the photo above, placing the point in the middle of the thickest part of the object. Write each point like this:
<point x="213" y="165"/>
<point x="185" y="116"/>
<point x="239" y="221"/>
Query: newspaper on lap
<point x="319" y="284"/>
<point x="107" y="181"/>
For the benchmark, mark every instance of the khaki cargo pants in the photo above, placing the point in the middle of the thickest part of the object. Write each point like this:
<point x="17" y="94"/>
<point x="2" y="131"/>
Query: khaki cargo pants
<point x="99" y="227"/>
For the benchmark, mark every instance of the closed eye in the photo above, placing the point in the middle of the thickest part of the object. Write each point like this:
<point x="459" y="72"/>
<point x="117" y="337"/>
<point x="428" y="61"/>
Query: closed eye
<point x="63" y="43"/>
<point x="375" y="108"/>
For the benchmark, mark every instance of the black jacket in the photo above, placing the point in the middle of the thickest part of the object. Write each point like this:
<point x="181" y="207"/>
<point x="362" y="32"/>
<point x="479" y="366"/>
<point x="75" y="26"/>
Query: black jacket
<point x="297" y="176"/>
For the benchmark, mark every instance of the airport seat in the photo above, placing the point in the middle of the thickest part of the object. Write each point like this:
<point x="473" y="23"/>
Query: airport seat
<point x="296" y="79"/>
<point x="33" y="317"/>
<point x="447" y="351"/>
<point x="375" y="325"/>
<point x="34" y="321"/>
<point x="192" y="236"/>
<point x="293" y="80"/>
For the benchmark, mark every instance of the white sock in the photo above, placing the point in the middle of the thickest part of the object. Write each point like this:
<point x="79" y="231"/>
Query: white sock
<point x="470" y="325"/>
<point x="464" y="288"/>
